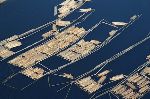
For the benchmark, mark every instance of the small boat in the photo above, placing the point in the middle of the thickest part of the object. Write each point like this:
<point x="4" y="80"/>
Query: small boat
<point x="119" y="23"/>
<point x="85" y="10"/>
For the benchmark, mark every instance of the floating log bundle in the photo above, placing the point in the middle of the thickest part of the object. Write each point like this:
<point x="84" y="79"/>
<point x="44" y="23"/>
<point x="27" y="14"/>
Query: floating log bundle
<point x="88" y="84"/>
<point x="69" y="76"/>
<point x="13" y="44"/>
<point x="65" y="2"/>
<point x="4" y="52"/>
<point x="33" y="73"/>
<point x="126" y="93"/>
<point x="41" y="52"/>
<point x="102" y="79"/>
<point x="117" y="77"/>
<point x="78" y="50"/>
<point x="112" y="33"/>
<point x="8" y="44"/>
<point x="146" y="71"/>
<point x="103" y="73"/>
<point x="62" y="23"/>
<point x="134" y="87"/>
<point x="131" y="85"/>
<point x="133" y="17"/>
<point x="68" y="5"/>
<point x="9" y="39"/>
<point x="51" y="32"/>
<point x="48" y="34"/>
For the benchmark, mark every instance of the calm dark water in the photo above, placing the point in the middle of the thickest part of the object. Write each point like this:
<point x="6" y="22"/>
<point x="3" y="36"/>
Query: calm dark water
<point x="18" y="16"/>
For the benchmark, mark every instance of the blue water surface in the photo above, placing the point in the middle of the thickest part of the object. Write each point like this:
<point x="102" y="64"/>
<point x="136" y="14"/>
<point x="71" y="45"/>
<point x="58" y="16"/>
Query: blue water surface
<point x="18" y="16"/>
